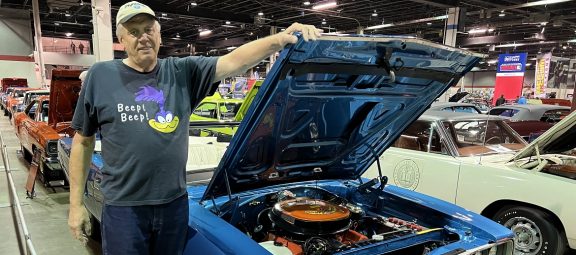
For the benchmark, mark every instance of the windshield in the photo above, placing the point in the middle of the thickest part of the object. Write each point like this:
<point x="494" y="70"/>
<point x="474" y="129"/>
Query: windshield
<point x="206" y="145"/>
<point x="476" y="137"/>
<point x="229" y="110"/>
<point x="504" y="112"/>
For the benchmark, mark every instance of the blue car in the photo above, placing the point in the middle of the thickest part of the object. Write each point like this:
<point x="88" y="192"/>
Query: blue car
<point x="290" y="179"/>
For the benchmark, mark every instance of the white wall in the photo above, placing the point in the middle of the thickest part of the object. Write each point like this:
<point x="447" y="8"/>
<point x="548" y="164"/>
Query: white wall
<point x="16" y="40"/>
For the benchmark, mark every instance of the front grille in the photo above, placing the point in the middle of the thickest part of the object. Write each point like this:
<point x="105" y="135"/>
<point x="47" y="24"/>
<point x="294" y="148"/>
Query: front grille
<point x="503" y="248"/>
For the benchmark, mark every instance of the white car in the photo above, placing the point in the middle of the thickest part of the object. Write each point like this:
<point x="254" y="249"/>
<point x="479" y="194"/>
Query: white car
<point x="489" y="169"/>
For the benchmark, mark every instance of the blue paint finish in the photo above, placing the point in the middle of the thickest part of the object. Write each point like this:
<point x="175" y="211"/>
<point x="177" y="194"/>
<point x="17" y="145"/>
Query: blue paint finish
<point x="326" y="105"/>
<point x="452" y="26"/>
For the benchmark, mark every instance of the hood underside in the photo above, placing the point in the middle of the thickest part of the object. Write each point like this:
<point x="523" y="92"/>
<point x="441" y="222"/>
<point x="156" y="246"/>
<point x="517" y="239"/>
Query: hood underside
<point x="329" y="108"/>
<point x="560" y="138"/>
<point x="64" y="89"/>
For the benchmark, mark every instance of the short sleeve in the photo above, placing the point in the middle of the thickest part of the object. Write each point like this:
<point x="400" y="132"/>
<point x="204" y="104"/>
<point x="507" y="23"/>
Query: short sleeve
<point x="203" y="72"/>
<point x="85" y="119"/>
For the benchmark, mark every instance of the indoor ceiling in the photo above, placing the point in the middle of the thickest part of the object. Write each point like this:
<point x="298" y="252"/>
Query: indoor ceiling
<point x="498" y="26"/>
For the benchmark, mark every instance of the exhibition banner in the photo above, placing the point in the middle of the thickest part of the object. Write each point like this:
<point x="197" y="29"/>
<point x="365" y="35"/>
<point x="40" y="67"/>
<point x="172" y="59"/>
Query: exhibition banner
<point x="510" y="76"/>
<point x="541" y="76"/>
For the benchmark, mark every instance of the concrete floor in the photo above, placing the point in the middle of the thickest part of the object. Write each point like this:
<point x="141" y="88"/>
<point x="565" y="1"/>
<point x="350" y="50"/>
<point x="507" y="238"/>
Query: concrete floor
<point x="46" y="215"/>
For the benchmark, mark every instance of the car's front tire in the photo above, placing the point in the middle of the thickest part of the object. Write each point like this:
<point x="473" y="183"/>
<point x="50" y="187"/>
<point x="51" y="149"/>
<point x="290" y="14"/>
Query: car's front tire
<point x="534" y="232"/>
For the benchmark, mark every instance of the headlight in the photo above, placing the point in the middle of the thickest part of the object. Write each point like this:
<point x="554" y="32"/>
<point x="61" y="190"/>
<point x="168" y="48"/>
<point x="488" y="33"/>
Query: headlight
<point x="52" y="148"/>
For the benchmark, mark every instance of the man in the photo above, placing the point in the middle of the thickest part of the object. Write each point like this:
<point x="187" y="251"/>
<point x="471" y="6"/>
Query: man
<point x="501" y="100"/>
<point x="81" y="47"/>
<point x="141" y="106"/>
<point x="73" y="47"/>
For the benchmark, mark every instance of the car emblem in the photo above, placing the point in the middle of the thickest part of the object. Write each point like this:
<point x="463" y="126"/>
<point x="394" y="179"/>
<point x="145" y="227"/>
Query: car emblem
<point x="407" y="174"/>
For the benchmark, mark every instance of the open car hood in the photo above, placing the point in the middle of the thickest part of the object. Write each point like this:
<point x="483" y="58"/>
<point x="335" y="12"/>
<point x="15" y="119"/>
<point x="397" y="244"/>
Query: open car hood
<point x="64" y="89"/>
<point x="559" y="138"/>
<point x="329" y="108"/>
<point x="458" y="97"/>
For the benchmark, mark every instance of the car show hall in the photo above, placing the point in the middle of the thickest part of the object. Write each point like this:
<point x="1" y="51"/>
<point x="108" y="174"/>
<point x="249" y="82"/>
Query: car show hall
<point x="260" y="127"/>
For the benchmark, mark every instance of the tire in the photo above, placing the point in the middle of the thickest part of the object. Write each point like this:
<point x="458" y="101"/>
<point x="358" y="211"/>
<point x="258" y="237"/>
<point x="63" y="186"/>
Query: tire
<point x="534" y="233"/>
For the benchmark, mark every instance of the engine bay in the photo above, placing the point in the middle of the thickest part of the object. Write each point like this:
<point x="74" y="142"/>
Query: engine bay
<point x="314" y="221"/>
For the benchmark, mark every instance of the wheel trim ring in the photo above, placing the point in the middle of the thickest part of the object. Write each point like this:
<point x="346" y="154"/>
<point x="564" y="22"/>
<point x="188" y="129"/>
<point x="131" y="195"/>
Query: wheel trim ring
<point x="525" y="223"/>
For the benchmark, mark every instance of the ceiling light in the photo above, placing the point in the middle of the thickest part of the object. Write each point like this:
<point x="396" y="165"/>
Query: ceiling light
<point x="380" y="26"/>
<point x="564" y="47"/>
<point x="493" y="61"/>
<point x="81" y="2"/>
<point x="231" y="48"/>
<point x="491" y="30"/>
<point x="502" y="14"/>
<point x="429" y="23"/>
<point x="69" y="34"/>
<point x="67" y="14"/>
<point x="177" y="35"/>
<point x="477" y="31"/>
<point x="260" y="14"/>
<point x="205" y="32"/>
<point x="323" y="21"/>
<point x="227" y="22"/>
<point x="510" y="45"/>
<point x="528" y="64"/>
<point x="325" y="5"/>
<point x="543" y="23"/>
<point x="307" y="3"/>
<point x="194" y="4"/>
<point x="251" y="33"/>
<point x="164" y="15"/>
<point x="375" y="14"/>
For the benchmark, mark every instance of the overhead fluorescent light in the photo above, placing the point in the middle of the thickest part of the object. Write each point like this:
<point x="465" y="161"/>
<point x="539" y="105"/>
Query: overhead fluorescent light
<point x="229" y="26"/>
<point x="510" y="45"/>
<point x="424" y="20"/>
<point x="493" y="61"/>
<point x="528" y="64"/>
<point x="231" y="48"/>
<point x="380" y="26"/>
<point x="193" y="3"/>
<point x="325" y="5"/>
<point x="477" y="31"/>
<point x="375" y="14"/>
<point x="429" y="23"/>
<point x="205" y="32"/>
<point x="69" y="34"/>
<point x="544" y="2"/>
<point x="307" y="3"/>
<point x="227" y="22"/>
<point x="260" y="14"/>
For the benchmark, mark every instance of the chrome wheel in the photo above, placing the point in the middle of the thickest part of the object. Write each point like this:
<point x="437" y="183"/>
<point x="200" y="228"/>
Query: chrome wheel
<point x="527" y="236"/>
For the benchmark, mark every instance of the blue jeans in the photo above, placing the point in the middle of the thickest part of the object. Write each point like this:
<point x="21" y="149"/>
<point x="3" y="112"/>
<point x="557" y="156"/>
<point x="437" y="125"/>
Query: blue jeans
<point x="148" y="229"/>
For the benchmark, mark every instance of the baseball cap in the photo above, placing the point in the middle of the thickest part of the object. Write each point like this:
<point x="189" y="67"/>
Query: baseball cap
<point x="131" y="9"/>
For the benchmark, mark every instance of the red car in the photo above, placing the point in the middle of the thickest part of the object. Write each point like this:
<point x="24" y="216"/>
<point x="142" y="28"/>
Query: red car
<point x="45" y="120"/>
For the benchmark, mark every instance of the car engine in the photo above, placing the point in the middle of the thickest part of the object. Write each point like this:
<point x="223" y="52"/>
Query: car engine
<point x="313" y="221"/>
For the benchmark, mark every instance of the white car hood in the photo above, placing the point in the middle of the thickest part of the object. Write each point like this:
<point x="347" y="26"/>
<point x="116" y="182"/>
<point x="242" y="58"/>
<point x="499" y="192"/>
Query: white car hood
<point x="560" y="138"/>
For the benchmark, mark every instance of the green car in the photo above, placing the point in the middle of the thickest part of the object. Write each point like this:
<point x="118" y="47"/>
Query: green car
<point x="216" y="108"/>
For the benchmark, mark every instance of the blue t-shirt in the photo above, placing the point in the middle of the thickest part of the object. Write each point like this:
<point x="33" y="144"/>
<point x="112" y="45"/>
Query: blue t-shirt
<point x="143" y="119"/>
